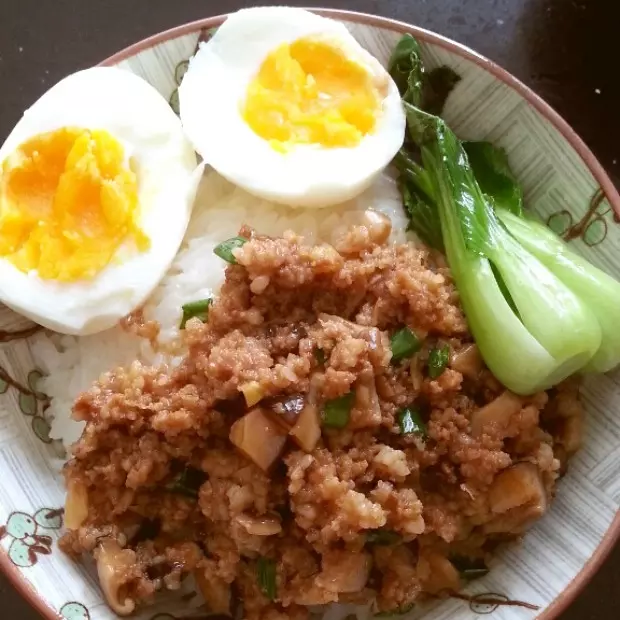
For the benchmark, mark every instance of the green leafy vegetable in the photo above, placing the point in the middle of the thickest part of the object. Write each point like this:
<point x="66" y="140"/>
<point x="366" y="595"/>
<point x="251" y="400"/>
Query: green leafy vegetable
<point x="188" y="482"/>
<point x="438" y="360"/>
<point x="470" y="569"/>
<point x="383" y="537"/>
<point x="319" y="356"/>
<point x="404" y="343"/>
<point x="401" y="611"/>
<point x="199" y="309"/>
<point x="336" y="412"/>
<point x="266" y="577"/>
<point x="537" y="311"/>
<point x="410" y="421"/>
<point x="600" y="291"/>
<point x="438" y="85"/>
<point x="554" y="334"/>
<point x="428" y="91"/>
<point x="495" y="178"/>
<point x="405" y="67"/>
<point x="225" y="249"/>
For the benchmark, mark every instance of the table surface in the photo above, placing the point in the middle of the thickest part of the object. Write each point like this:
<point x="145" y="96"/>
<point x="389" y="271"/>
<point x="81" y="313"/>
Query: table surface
<point x="561" y="48"/>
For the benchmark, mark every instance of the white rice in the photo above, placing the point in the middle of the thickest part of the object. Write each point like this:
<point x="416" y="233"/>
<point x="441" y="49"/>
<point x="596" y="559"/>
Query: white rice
<point x="73" y="363"/>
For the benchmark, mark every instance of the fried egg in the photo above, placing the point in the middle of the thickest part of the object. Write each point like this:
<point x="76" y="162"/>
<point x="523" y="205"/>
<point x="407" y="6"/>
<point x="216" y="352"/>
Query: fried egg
<point x="97" y="182"/>
<point x="289" y="106"/>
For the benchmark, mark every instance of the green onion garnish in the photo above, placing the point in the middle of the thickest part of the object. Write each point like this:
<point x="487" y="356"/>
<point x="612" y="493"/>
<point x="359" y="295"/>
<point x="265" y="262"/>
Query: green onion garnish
<point x="410" y="422"/>
<point x="336" y="412"/>
<point x="199" y="309"/>
<point x="469" y="569"/>
<point x="266" y="577"/>
<point x="383" y="537"/>
<point x="404" y="344"/>
<point x="401" y="611"/>
<point x="188" y="482"/>
<point x="319" y="356"/>
<point x="224" y="249"/>
<point x="437" y="361"/>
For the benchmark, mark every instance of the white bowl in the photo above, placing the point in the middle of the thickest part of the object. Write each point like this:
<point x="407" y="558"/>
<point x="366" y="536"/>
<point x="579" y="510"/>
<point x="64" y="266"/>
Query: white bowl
<point x="563" y="182"/>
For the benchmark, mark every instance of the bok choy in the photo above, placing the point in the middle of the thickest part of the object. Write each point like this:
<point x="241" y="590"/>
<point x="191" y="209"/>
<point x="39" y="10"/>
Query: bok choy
<point x="537" y="311"/>
<point x="599" y="290"/>
<point x="552" y="333"/>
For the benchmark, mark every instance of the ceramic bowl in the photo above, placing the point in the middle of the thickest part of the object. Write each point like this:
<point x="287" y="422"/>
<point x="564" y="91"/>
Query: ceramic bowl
<point x="563" y="183"/>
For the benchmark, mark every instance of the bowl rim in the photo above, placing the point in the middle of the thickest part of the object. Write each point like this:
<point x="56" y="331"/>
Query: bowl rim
<point x="612" y="535"/>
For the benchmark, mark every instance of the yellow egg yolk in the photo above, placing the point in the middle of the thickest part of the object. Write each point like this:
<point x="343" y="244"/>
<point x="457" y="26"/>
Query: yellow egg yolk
<point x="68" y="201"/>
<point x="309" y="92"/>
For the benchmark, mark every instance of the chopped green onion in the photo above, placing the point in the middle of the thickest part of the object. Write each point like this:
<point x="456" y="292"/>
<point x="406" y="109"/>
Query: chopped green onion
<point x="266" y="577"/>
<point x="188" y="482"/>
<point x="383" y="537"/>
<point x="400" y="611"/>
<point x="411" y="422"/>
<point x="224" y="249"/>
<point x="336" y="412"/>
<point x="404" y="343"/>
<point x="437" y="361"/>
<point x="470" y="569"/>
<point x="319" y="356"/>
<point x="198" y="309"/>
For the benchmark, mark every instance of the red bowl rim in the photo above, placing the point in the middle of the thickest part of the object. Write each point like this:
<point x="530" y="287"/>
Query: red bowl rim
<point x="609" y="540"/>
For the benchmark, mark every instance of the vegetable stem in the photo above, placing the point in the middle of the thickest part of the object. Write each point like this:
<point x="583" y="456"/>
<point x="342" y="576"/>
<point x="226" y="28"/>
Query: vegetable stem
<point x="225" y="249"/>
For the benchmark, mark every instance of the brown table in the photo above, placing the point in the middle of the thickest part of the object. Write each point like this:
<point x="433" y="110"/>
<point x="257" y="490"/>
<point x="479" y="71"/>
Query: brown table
<point x="565" y="49"/>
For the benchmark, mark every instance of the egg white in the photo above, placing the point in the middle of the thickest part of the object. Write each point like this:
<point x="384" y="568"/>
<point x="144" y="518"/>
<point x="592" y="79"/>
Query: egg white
<point x="214" y="89"/>
<point x="165" y="163"/>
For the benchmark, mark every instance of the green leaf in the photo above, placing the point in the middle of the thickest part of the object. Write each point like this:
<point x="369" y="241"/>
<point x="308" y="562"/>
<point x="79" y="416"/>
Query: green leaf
<point x="224" y="250"/>
<point x="336" y="412"/>
<point x="438" y="85"/>
<point x="404" y="343"/>
<point x="438" y="360"/>
<point x="494" y="176"/>
<point x="470" y="569"/>
<point x="405" y="67"/>
<point x="188" y="482"/>
<point x="266" y="577"/>
<point x="383" y="537"/>
<point x="423" y="216"/>
<point x="401" y="611"/>
<point x="195" y="309"/>
<point x="319" y="356"/>
<point x="443" y="154"/>
<point x="410" y="422"/>
<point x="428" y="91"/>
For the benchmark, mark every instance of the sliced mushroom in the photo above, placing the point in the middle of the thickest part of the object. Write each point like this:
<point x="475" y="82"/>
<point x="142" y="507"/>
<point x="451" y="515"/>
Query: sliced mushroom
<point x="259" y="526"/>
<point x="258" y="437"/>
<point x="215" y="590"/>
<point x="467" y="361"/>
<point x="518" y="497"/>
<point x="113" y="566"/>
<point x="76" y="504"/>
<point x="437" y="573"/>
<point x="307" y="431"/>
<point x="495" y="416"/>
